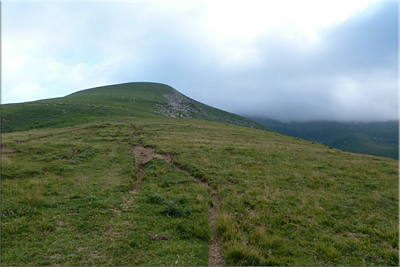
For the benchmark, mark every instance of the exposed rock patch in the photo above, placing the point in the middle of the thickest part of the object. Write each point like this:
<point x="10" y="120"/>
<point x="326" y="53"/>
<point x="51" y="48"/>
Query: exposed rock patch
<point x="178" y="107"/>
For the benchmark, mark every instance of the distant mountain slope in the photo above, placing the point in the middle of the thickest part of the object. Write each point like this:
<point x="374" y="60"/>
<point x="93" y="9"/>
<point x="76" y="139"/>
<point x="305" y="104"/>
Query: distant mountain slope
<point x="129" y="100"/>
<point x="374" y="138"/>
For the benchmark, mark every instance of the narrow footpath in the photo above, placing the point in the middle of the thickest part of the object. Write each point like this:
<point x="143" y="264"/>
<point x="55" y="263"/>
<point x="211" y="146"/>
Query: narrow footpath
<point x="143" y="155"/>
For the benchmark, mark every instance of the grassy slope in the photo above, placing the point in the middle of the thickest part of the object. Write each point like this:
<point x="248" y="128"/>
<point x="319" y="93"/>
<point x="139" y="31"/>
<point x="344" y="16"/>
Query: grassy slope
<point x="286" y="202"/>
<point x="66" y="200"/>
<point x="130" y="100"/>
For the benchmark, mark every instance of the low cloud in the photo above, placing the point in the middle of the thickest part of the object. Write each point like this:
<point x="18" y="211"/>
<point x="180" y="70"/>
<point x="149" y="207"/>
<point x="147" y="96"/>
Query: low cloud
<point x="348" y="71"/>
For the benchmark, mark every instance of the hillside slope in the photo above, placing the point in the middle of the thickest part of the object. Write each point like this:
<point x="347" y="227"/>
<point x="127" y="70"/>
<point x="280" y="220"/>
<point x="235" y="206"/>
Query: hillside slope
<point x="161" y="191"/>
<point x="373" y="138"/>
<point x="129" y="100"/>
<point x="147" y="176"/>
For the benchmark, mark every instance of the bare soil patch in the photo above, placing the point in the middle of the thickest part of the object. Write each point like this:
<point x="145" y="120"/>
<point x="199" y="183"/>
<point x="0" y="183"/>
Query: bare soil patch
<point x="158" y="237"/>
<point x="144" y="154"/>
<point x="216" y="256"/>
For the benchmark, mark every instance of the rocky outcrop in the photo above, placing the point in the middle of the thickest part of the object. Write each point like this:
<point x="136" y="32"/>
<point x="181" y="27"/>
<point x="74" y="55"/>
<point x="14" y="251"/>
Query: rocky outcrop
<point x="180" y="106"/>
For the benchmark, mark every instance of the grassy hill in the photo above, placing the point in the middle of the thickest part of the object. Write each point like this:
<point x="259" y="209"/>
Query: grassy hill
<point x="151" y="190"/>
<point x="130" y="100"/>
<point x="373" y="138"/>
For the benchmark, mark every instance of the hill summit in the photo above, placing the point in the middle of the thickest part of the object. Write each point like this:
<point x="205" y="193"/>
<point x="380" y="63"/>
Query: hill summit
<point x="128" y="100"/>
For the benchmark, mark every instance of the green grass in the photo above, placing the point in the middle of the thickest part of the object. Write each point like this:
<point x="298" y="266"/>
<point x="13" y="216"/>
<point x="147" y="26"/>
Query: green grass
<point x="66" y="200"/>
<point x="114" y="102"/>
<point x="289" y="202"/>
<point x="68" y="180"/>
<point x="66" y="197"/>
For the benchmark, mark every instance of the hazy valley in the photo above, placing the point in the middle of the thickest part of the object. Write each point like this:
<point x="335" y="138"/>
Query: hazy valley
<point x="374" y="138"/>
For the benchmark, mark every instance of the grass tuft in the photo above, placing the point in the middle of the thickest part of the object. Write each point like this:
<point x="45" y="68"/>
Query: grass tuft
<point x="172" y="210"/>
<point x="155" y="199"/>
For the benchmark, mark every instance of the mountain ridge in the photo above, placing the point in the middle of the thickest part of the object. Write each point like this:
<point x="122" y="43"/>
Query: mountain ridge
<point x="135" y="99"/>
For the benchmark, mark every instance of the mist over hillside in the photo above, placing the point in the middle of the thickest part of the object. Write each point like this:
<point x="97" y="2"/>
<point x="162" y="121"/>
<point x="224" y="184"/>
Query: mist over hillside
<point x="380" y="138"/>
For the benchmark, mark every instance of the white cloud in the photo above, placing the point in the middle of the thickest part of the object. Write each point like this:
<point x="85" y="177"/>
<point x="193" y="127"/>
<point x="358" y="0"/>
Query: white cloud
<point x="300" y="60"/>
<point x="248" y="19"/>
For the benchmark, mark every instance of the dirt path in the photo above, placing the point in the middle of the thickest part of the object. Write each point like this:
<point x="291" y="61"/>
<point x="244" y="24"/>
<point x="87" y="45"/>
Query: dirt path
<point x="143" y="155"/>
<point x="216" y="257"/>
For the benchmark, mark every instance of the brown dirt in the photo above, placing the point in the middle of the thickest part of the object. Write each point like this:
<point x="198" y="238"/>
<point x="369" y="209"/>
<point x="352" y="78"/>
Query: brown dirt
<point x="158" y="237"/>
<point x="216" y="257"/>
<point x="144" y="154"/>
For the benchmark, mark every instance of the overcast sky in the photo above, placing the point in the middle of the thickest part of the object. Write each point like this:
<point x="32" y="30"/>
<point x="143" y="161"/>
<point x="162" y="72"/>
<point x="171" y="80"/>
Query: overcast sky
<point x="284" y="60"/>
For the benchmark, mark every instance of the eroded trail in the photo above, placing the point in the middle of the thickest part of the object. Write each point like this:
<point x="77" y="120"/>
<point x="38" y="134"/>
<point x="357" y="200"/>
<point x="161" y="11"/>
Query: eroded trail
<point x="143" y="155"/>
<point x="216" y="257"/>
